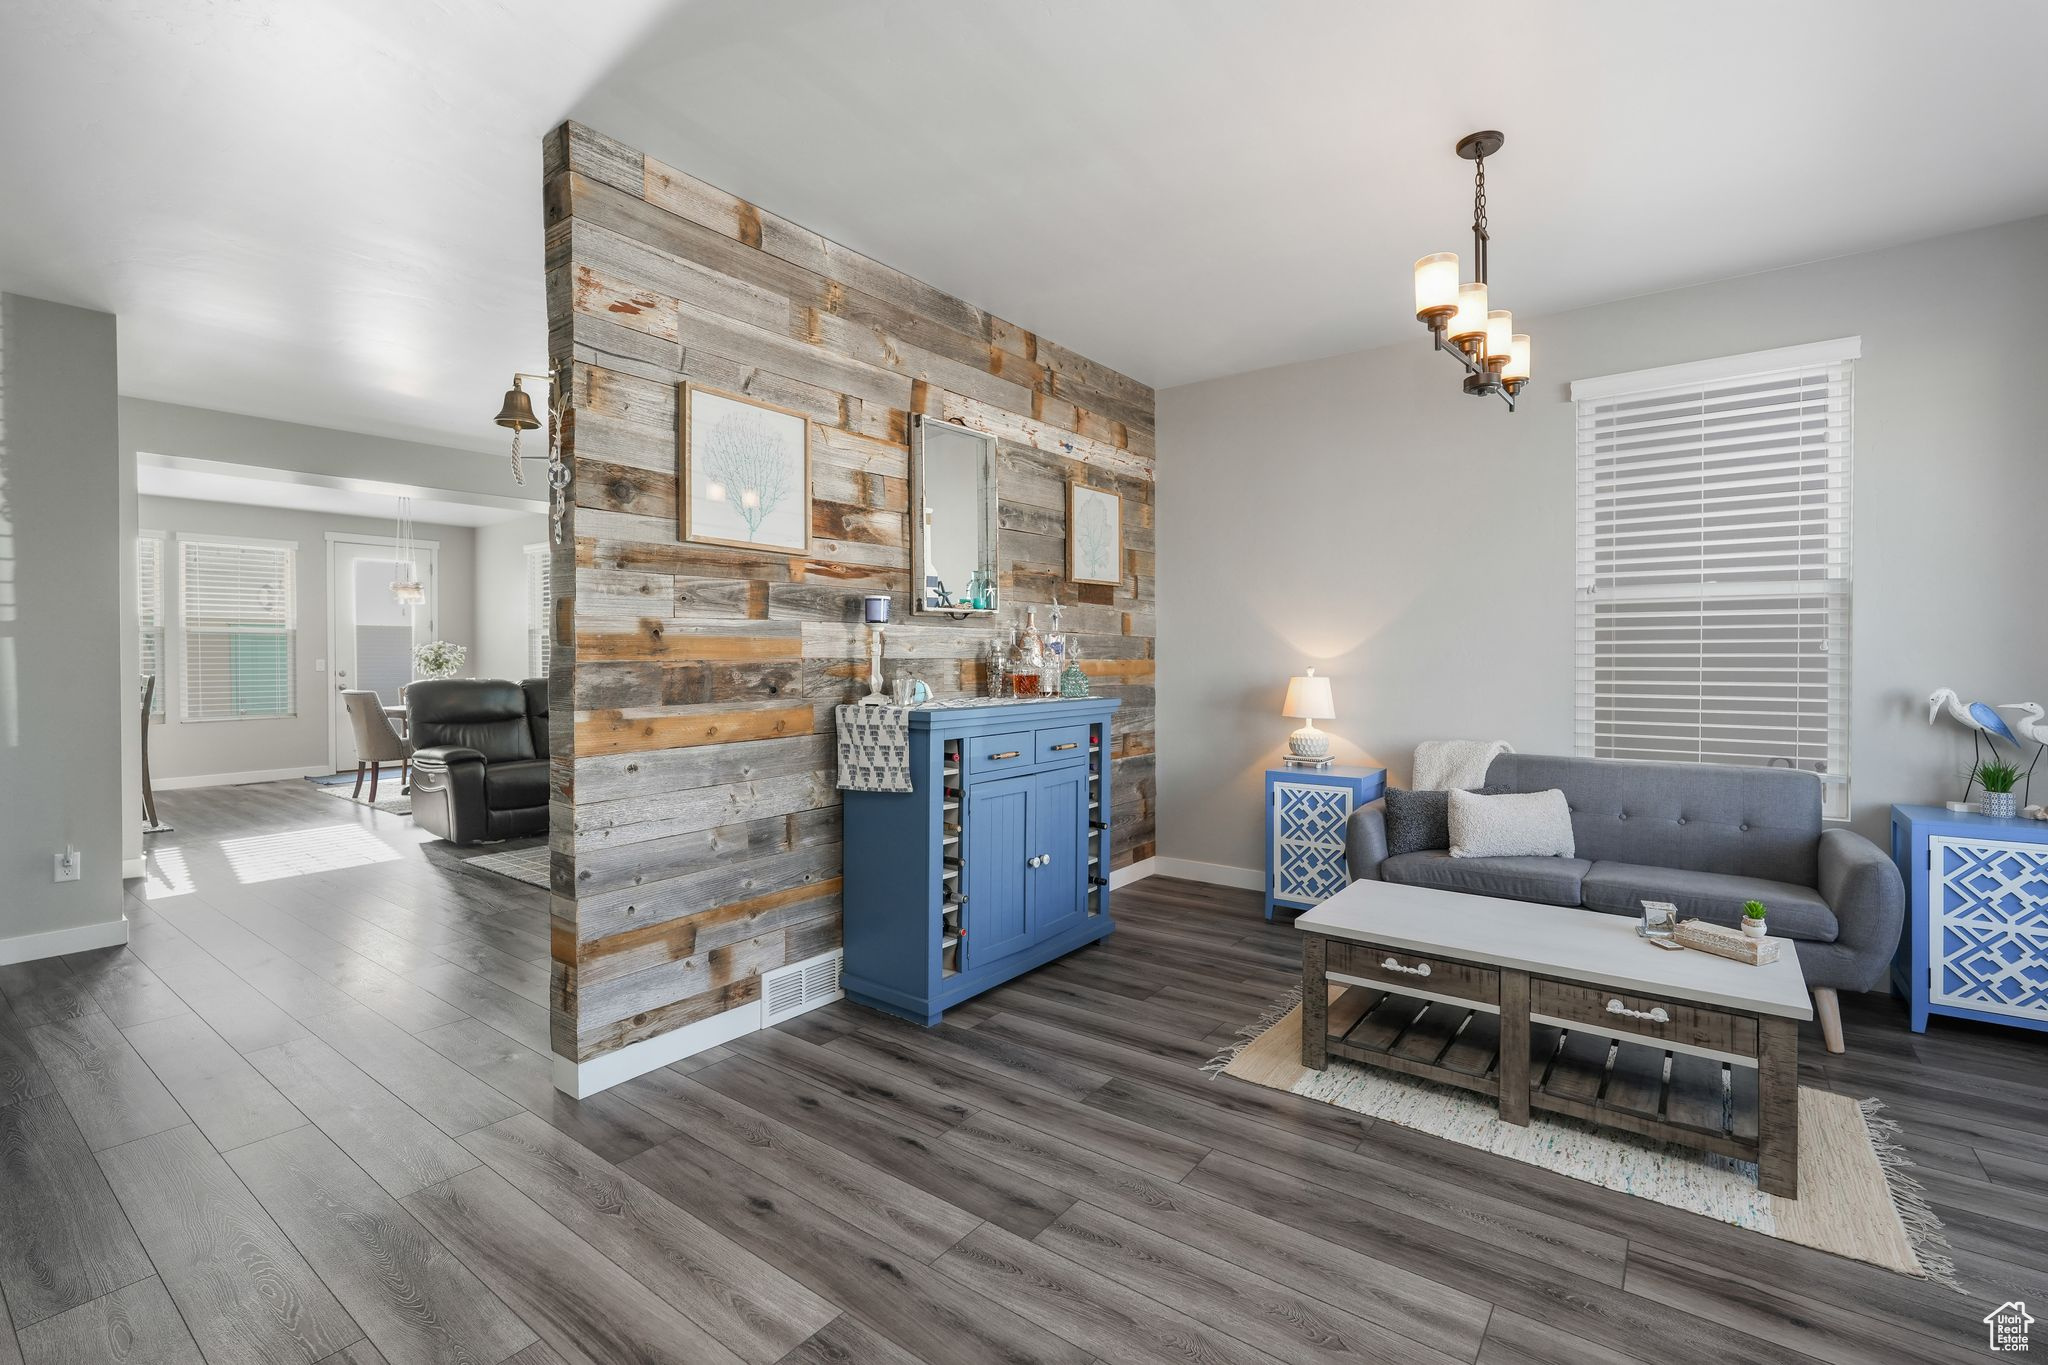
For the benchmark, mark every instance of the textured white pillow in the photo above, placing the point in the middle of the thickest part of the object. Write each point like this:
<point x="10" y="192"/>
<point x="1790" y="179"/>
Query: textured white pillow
<point x="1514" y="825"/>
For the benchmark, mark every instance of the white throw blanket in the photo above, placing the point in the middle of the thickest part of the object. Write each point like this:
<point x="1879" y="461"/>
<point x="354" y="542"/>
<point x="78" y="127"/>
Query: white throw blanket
<point x="1448" y="764"/>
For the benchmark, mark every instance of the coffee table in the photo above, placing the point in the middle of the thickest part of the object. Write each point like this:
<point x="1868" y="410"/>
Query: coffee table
<point x="1563" y="1010"/>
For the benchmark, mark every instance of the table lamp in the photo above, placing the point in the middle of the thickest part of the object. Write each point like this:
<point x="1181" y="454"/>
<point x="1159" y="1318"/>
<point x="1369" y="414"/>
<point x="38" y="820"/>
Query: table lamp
<point x="1308" y="698"/>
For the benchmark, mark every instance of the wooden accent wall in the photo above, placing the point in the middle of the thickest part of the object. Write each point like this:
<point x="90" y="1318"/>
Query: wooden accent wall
<point x="695" y="823"/>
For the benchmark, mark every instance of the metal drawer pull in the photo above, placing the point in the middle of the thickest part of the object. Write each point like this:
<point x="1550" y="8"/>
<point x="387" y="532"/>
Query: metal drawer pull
<point x="1062" y="748"/>
<point x="1011" y="754"/>
<point x="1420" y="969"/>
<point x="1655" y="1016"/>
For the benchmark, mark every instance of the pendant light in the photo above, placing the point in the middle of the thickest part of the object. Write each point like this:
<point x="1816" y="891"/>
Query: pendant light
<point x="406" y="589"/>
<point x="1480" y="338"/>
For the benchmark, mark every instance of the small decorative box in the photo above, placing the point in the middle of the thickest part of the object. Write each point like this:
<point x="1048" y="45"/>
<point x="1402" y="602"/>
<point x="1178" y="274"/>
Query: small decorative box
<point x="1723" y="942"/>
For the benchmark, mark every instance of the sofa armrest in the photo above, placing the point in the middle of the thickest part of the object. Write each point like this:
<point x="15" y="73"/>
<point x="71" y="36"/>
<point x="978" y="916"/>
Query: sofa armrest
<point x="1365" y="841"/>
<point x="1862" y="885"/>
<point x="446" y="756"/>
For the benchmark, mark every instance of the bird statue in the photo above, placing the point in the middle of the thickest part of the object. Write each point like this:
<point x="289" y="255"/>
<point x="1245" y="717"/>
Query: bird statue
<point x="2031" y="726"/>
<point x="1984" y="723"/>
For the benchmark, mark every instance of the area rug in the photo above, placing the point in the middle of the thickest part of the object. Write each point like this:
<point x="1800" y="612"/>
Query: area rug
<point x="1856" y="1199"/>
<point x="390" y="796"/>
<point x="529" y="865"/>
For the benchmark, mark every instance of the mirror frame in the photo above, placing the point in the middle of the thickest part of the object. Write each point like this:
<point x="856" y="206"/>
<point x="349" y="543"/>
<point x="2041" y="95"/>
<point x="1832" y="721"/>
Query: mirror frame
<point x="991" y="529"/>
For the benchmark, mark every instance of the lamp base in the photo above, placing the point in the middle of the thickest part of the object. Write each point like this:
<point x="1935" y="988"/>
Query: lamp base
<point x="1308" y="742"/>
<point x="1310" y="764"/>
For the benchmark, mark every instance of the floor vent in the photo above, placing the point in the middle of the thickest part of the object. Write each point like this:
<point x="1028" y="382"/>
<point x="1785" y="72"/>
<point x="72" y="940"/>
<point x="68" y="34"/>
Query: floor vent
<point x="788" y="991"/>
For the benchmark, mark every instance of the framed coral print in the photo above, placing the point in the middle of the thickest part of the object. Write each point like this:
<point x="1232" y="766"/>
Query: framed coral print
<point x="744" y="469"/>
<point x="1095" y="535"/>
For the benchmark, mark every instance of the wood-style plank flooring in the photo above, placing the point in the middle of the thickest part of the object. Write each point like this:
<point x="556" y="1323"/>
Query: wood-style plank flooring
<point x="306" y="1116"/>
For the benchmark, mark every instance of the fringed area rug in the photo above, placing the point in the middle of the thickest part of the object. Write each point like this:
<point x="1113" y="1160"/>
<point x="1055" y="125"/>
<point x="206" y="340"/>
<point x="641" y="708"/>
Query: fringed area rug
<point x="1856" y="1199"/>
<point x="529" y="865"/>
<point x="391" y="798"/>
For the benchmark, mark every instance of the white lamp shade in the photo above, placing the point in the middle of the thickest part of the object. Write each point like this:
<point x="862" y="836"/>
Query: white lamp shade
<point x="1500" y="325"/>
<point x="1518" y="357"/>
<point x="1436" y="282"/>
<point x="1470" y="320"/>
<point x="1308" y="698"/>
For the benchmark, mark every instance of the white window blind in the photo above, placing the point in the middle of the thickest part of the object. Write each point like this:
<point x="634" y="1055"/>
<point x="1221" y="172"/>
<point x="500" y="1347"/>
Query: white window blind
<point x="238" y="620"/>
<point x="539" y="607"/>
<point x="1713" y="563"/>
<point x="149" y="614"/>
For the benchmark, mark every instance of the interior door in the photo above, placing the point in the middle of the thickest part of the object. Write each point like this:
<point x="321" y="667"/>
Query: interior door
<point x="997" y="919"/>
<point x="373" y="633"/>
<point x="1059" y="836"/>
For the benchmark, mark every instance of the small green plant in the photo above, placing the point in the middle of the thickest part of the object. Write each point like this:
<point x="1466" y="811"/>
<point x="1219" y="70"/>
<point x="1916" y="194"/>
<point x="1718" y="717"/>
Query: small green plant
<point x="1752" y="909"/>
<point x="1998" y="776"/>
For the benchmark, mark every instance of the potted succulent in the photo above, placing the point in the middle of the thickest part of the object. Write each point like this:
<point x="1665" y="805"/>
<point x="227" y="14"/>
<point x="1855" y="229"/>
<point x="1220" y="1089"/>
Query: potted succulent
<point x="439" y="659"/>
<point x="1998" y="779"/>
<point x="1753" y="919"/>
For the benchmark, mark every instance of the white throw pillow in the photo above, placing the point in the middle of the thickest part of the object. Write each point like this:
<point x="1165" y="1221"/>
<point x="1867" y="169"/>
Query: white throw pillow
<point x="1514" y="825"/>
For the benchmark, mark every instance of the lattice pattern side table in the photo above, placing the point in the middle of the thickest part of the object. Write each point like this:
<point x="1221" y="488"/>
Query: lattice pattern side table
<point x="1307" y="810"/>
<point x="1976" y="940"/>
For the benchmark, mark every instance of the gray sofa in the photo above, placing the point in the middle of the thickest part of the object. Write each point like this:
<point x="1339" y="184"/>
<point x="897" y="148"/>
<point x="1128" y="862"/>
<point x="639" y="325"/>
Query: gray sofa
<point x="1706" y="837"/>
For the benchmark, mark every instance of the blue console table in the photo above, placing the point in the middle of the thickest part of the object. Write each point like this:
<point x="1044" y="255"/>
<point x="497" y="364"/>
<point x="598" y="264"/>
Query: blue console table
<point x="1976" y="939"/>
<point x="1307" y="811"/>
<point x="997" y="860"/>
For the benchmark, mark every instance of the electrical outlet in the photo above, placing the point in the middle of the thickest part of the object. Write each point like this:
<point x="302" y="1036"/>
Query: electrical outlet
<point x="69" y="863"/>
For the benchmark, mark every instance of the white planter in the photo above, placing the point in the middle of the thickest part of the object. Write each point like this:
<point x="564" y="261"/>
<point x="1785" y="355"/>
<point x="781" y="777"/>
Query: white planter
<point x="1755" y="928"/>
<point x="2000" y="804"/>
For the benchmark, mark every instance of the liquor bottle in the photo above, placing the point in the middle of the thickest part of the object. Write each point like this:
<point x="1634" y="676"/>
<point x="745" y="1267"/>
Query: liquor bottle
<point x="1055" y="656"/>
<point x="1027" y="660"/>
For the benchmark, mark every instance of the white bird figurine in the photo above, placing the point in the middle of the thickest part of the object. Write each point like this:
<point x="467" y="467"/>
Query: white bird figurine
<point x="1977" y="716"/>
<point x="2030" y="725"/>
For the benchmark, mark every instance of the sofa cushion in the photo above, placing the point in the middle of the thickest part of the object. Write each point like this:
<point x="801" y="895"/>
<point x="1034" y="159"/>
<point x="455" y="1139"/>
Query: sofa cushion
<point x="1515" y="825"/>
<point x="1420" y="820"/>
<point x="514" y="786"/>
<point x="485" y="714"/>
<point x="1752" y="822"/>
<point x="1717" y="897"/>
<point x="1547" y="881"/>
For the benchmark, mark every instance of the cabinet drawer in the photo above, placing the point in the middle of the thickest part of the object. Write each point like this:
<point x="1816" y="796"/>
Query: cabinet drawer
<point x="1397" y="967"/>
<point x="1063" y="744"/>
<point x="1011" y="750"/>
<point x="1693" y="1025"/>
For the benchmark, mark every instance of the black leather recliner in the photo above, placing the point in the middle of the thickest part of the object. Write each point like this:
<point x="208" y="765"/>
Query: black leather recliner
<point x="480" y="757"/>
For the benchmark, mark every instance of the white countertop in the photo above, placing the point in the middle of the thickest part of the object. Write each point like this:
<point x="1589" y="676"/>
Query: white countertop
<point x="1550" y="940"/>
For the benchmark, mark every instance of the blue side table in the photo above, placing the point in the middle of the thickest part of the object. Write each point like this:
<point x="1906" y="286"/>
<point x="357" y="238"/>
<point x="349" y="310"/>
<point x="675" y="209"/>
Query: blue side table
<point x="1976" y="940"/>
<point x="1307" y="810"/>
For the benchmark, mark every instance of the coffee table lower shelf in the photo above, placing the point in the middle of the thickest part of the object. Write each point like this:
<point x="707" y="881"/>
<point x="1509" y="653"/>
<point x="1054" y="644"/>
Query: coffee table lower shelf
<point x="1710" y="1103"/>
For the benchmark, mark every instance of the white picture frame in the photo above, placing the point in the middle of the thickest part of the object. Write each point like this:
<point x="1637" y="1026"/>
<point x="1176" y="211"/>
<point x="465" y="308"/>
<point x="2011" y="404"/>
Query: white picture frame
<point x="1095" y="534"/>
<point x="744" y="472"/>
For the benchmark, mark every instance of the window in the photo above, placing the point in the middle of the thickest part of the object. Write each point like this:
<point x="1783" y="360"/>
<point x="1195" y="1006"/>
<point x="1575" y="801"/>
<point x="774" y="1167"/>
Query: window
<point x="1713" y="563"/>
<point x="237" y="625"/>
<point x="149" y="613"/>
<point x="539" y="606"/>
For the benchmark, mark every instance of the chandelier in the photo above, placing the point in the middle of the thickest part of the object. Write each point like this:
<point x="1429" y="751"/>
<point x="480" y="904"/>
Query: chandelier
<point x="1495" y="357"/>
<point x="406" y="588"/>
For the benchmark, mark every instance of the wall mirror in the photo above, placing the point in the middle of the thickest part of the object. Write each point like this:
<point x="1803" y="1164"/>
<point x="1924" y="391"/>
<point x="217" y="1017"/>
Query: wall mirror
<point x="953" y="519"/>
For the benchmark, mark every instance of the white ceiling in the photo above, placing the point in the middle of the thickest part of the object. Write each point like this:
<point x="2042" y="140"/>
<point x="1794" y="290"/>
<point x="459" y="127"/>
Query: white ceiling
<point x="328" y="210"/>
<point x="163" y="476"/>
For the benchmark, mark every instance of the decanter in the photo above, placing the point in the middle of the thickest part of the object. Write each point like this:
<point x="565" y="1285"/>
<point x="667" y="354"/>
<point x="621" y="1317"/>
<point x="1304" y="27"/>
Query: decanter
<point x="1027" y="659"/>
<point x="1073" y="682"/>
<point x="1055" y="656"/>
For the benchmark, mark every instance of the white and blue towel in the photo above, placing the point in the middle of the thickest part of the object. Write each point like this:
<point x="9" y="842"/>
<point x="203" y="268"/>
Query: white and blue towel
<point x="874" y="748"/>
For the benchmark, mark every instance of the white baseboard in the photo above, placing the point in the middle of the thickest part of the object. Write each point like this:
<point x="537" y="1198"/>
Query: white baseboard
<point x="1131" y="872"/>
<point x="1215" y="874"/>
<point x="56" y="942"/>
<point x="166" y="784"/>
<point x="581" y="1080"/>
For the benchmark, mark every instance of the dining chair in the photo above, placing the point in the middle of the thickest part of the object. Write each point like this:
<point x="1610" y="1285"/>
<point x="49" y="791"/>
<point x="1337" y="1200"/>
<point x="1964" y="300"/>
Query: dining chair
<point x="377" y="743"/>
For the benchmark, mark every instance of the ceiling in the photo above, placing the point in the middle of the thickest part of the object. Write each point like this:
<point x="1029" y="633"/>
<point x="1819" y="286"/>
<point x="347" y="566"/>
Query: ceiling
<point x="162" y="476"/>
<point x="328" y="211"/>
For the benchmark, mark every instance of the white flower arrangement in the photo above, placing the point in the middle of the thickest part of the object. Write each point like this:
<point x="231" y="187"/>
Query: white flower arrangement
<point x="439" y="659"/>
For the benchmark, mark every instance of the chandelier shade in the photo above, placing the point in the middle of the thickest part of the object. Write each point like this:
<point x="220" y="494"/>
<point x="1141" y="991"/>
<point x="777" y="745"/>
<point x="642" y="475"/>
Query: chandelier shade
<point x="1461" y="322"/>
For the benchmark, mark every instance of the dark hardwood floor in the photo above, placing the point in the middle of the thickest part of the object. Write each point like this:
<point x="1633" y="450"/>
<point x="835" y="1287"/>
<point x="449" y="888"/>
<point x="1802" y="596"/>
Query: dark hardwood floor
<point x="306" y="1116"/>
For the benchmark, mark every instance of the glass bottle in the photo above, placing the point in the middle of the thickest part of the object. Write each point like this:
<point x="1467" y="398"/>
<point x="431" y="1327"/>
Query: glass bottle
<point x="1027" y="660"/>
<point x="1073" y="682"/>
<point x="1055" y="655"/>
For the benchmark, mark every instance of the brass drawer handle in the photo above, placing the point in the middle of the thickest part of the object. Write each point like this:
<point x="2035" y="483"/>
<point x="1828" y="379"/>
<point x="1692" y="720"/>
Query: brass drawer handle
<point x="1655" y="1016"/>
<point x="1011" y="754"/>
<point x="1419" y="969"/>
<point x="1062" y="748"/>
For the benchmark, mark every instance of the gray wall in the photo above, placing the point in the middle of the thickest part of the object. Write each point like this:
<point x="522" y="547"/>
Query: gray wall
<point x="1361" y="514"/>
<point x="210" y="748"/>
<point x="501" y="595"/>
<point x="65" y="702"/>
